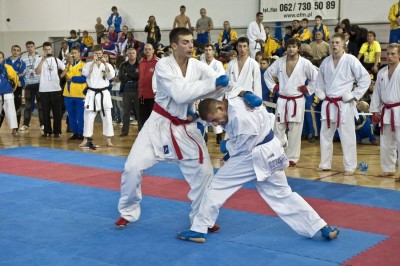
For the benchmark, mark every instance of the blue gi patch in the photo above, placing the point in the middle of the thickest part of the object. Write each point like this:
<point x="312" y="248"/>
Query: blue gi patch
<point x="166" y="150"/>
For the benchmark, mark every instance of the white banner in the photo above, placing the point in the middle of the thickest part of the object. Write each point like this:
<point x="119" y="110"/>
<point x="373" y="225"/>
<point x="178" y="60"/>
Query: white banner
<point x="288" y="10"/>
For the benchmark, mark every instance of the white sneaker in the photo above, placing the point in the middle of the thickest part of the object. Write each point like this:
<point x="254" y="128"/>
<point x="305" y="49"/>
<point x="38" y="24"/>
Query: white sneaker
<point x="24" y="128"/>
<point x="42" y="129"/>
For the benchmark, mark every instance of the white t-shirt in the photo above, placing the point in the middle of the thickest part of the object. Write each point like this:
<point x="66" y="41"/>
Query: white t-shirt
<point x="49" y="79"/>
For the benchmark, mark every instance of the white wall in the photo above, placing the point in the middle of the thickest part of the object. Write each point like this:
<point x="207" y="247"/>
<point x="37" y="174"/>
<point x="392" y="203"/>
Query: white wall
<point x="38" y="20"/>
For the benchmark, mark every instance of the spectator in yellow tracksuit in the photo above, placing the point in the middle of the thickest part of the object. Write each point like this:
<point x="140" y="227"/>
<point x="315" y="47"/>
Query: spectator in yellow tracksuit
<point x="304" y="34"/>
<point x="394" y="19"/>
<point x="74" y="96"/>
<point x="8" y="83"/>
<point x="270" y="45"/>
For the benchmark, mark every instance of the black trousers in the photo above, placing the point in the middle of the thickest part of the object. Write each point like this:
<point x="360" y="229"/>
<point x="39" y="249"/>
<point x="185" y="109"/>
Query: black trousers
<point x="32" y="92"/>
<point x="51" y="102"/>
<point x="145" y="109"/>
<point x="130" y="101"/>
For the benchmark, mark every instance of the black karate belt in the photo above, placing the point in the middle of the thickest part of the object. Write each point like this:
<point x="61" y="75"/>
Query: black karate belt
<point x="97" y="91"/>
<point x="2" y="100"/>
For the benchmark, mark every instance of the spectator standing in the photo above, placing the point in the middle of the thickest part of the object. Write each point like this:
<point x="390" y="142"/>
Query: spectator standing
<point x="129" y="75"/>
<point x="256" y="35"/>
<point x="32" y="86"/>
<point x="146" y="91"/>
<point x="203" y="27"/>
<point x="74" y="98"/>
<point x="182" y="20"/>
<point x="98" y="74"/>
<point x="50" y="90"/>
<point x="115" y="20"/>
<point x="100" y="30"/>
<point x="8" y="82"/>
<point x="19" y="67"/>
<point x="153" y="32"/>
<point x="394" y="18"/>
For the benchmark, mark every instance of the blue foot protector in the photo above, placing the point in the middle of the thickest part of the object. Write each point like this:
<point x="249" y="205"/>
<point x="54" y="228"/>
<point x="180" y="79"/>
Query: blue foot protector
<point x="252" y="100"/>
<point x="329" y="232"/>
<point x="192" y="236"/>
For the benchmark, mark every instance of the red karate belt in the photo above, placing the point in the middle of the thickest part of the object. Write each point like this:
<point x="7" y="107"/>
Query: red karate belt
<point x="177" y="122"/>
<point x="335" y="101"/>
<point x="290" y="98"/>
<point x="388" y="106"/>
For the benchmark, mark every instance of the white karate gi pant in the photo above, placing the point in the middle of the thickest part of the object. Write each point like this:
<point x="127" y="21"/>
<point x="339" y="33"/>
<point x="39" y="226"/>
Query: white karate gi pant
<point x="9" y="110"/>
<point x="390" y="149"/>
<point x="276" y="192"/>
<point x="347" y="140"/>
<point x="142" y="156"/>
<point x="291" y="142"/>
<point x="88" y="124"/>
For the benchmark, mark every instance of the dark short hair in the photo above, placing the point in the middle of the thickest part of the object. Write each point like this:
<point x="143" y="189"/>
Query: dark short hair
<point x="206" y="107"/>
<point x="182" y="6"/>
<point x="243" y="39"/>
<point x="175" y="33"/>
<point x="372" y="32"/>
<point x="47" y="44"/>
<point x="72" y="32"/>
<point x="259" y="13"/>
<point x="29" y="43"/>
<point x="305" y="19"/>
<point x="209" y="45"/>
<point x="293" y="41"/>
<point x="289" y="27"/>
<point x="2" y="54"/>
<point x="318" y="16"/>
<point x="15" y="46"/>
<point x="114" y="8"/>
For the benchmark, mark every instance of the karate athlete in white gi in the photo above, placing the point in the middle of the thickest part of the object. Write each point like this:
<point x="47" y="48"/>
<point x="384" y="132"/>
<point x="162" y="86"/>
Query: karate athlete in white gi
<point x="292" y="72"/>
<point x="244" y="70"/>
<point x="209" y="52"/>
<point x="256" y="34"/>
<point x="98" y="74"/>
<point x="167" y="134"/>
<point x="385" y="105"/>
<point x="334" y="85"/>
<point x="254" y="154"/>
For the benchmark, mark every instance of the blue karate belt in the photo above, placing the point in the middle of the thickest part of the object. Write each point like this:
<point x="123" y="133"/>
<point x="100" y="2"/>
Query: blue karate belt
<point x="267" y="138"/>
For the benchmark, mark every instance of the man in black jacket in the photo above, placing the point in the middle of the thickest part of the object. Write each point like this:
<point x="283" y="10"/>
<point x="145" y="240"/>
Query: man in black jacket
<point x="129" y="75"/>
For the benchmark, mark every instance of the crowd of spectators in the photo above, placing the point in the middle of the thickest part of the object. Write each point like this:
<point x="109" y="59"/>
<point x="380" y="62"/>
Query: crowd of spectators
<point x="128" y="53"/>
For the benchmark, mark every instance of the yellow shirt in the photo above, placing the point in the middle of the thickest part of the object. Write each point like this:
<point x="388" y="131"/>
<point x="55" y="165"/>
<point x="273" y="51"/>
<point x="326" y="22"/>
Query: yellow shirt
<point x="368" y="51"/>
<point x="270" y="47"/>
<point x="88" y="41"/>
<point x="73" y="89"/>
<point x="394" y="10"/>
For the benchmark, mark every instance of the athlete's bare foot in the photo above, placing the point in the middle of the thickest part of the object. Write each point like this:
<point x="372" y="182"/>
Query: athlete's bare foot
<point x="84" y="142"/>
<point x="109" y="143"/>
